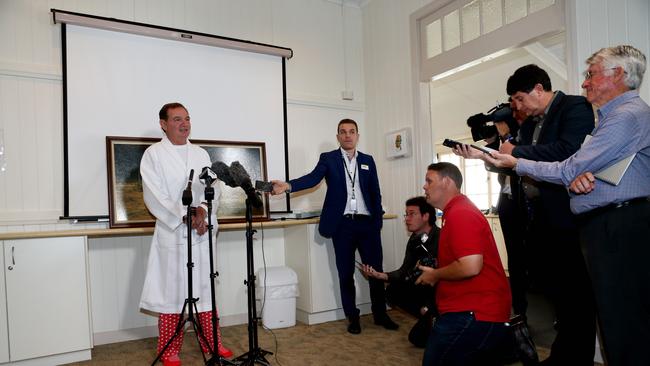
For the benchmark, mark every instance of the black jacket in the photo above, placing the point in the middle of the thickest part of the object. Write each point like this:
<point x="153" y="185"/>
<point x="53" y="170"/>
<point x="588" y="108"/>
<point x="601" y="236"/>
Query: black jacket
<point x="414" y="253"/>
<point x="568" y="121"/>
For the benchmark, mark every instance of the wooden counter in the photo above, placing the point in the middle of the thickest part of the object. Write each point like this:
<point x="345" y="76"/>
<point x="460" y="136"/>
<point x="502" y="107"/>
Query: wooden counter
<point x="102" y="233"/>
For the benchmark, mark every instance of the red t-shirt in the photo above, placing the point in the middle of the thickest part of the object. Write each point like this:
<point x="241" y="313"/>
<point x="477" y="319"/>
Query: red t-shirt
<point x="465" y="231"/>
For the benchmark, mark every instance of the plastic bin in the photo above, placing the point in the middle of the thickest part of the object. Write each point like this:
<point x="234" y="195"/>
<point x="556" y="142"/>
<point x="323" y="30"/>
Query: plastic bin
<point x="277" y="290"/>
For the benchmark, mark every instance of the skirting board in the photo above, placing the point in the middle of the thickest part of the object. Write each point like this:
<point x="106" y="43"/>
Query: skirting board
<point x="327" y="316"/>
<point x="60" y="359"/>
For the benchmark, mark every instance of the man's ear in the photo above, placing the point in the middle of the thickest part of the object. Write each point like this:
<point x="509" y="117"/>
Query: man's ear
<point x="163" y="125"/>
<point x="425" y="216"/>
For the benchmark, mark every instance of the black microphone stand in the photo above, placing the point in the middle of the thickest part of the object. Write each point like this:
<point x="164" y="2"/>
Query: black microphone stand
<point x="190" y="301"/>
<point x="255" y="354"/>
<point x="216" y="358"/>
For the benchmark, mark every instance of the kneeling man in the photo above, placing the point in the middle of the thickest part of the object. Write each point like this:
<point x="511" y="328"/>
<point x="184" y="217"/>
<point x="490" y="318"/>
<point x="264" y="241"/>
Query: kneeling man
<point x="472" y="296"/>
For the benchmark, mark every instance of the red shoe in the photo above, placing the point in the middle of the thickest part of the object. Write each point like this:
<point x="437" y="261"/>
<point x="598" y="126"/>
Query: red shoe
<point x="224" y="352"/>
<point x="172" y="361"/>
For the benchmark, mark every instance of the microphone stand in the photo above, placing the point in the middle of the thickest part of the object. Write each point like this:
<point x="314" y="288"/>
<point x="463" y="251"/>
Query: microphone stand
<point x="255" y="354"/>
<point x="190" y="301"/>
<point x="216" y="358"/>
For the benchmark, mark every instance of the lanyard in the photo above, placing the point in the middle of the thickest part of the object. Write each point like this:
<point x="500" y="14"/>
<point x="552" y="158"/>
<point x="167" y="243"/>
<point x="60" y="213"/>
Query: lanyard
<point x="351" y="176"/>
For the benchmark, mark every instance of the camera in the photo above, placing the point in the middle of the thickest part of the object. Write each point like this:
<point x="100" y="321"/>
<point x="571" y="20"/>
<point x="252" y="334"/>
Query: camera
<point x="413" y="273"/>
<point x="482" y="131"/>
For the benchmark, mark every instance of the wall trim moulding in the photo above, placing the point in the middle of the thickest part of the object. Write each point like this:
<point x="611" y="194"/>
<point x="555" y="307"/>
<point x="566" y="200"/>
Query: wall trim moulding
<point x="324" y="102"/>
<point x="31" y="70"/>
<point x="16" y="217"/>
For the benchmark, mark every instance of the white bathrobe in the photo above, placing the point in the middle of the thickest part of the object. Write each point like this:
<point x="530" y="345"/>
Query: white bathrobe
<point x="165" y="173"/>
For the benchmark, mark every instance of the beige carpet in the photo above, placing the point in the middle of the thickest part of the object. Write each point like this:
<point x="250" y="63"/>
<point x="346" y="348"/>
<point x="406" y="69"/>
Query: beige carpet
<point x="302" y="345"/>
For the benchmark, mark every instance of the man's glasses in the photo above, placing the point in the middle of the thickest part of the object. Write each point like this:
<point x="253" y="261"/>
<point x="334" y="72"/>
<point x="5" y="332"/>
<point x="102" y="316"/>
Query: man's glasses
<point x="410" y="214"/>
<point x="589" y="74"/>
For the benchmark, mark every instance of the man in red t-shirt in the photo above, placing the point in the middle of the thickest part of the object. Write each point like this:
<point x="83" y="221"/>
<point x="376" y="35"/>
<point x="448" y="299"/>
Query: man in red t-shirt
<point x="473" y="295"/>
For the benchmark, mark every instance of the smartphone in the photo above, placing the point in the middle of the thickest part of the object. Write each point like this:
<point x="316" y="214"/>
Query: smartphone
<point x="263" y="186"/>
<point x="452" y="144"/>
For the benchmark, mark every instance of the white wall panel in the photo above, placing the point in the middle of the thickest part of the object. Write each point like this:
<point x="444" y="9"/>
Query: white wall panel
<point x="602" y="23"/>
<point x="389" y="96"/>
<point x="326" y="37"/>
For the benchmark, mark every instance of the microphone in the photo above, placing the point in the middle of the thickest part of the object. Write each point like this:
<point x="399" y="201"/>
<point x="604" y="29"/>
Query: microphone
<point x="207" y="176"/>
<point x="223" y="172"/>
<point x="243" y="180"/>
<point x="187" y="193"/>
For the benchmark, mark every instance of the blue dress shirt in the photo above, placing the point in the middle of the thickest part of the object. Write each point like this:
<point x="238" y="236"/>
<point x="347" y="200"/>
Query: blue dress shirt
<point x="624" y="129"/>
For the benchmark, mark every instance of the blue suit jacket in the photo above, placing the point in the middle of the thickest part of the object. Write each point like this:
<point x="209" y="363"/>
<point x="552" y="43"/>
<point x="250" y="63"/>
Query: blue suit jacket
<point x="331" y="167"/>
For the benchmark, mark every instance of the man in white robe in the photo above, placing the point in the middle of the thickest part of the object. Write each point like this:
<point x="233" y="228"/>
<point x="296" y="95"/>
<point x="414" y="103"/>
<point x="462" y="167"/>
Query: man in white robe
<point x="165" y="169"/>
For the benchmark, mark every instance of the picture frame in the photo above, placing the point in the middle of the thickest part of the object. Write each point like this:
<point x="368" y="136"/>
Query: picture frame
<point x="399" y="143"/>
<point x="126" y="201"/>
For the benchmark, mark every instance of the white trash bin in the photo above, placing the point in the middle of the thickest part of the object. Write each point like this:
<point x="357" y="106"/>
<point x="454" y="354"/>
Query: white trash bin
<point x="279" y="286"/>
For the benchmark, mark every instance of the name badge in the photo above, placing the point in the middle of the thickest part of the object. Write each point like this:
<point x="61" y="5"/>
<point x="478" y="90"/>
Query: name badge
<point x="364" y="167"/>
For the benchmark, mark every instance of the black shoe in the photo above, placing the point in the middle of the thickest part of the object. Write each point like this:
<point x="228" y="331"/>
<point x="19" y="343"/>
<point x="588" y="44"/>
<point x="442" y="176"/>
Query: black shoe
<point x="420" y="332"/>
<point x="383" y="320"/>
<point x="354" y="327"/>
<point x="524" y="345"/>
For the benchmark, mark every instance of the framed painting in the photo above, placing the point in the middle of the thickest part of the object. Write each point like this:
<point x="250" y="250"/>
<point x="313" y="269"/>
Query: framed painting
<point x="126" y="202"/>
<point x="398" y="143"/>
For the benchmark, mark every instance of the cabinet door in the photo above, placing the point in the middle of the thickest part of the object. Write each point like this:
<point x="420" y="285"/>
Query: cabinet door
<point x="501" y="243"/>
<point x="4" y="336"/>
<point x="47" y="296"/>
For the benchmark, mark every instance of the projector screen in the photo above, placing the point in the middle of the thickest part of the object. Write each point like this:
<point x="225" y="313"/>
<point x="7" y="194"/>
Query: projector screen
<point x="115" y="84"/>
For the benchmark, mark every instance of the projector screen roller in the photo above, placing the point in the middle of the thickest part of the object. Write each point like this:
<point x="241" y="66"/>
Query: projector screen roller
<point x="115" y="84"/>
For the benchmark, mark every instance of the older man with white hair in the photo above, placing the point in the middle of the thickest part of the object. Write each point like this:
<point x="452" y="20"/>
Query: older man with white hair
<point x="614" y="219"/>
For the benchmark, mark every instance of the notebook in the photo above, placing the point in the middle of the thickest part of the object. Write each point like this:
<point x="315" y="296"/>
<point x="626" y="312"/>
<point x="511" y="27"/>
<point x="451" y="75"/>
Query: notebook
<point x="614" y="173"/>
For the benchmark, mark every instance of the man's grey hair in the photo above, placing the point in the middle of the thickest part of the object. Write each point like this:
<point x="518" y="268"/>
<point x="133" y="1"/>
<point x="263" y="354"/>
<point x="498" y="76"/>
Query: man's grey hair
<point x="630" y="59"/>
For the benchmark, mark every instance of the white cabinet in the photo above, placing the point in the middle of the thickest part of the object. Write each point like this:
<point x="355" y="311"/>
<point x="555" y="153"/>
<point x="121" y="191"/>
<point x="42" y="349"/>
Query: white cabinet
<point x="4" y="336"/>
<point x="312" y="257"/>
<point x="46" y="293"/>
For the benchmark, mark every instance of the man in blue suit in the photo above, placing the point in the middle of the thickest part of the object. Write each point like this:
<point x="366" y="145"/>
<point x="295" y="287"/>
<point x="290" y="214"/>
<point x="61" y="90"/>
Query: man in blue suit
<point x="351" y="216"/>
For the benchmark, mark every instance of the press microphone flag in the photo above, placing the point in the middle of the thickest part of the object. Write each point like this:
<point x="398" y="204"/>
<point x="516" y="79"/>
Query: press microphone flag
<point x="207" y="176"/>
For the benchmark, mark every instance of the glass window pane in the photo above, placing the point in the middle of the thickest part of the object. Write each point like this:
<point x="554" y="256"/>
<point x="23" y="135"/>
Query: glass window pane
<point x="451" y="30"/>
<point x="450" y="158"/>
<point x="536" y="5"/>
<point x="476" y="187"/>
<point x="471" y="21"/>
<point x="495" y="189"/>
<point x="434" y="39"/>
<point x="515" y="10"/>
<point x="491" y="15"/>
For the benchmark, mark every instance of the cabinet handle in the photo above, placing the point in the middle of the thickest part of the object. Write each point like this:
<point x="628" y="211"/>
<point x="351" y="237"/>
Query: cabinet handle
<point x="13" y="260"/>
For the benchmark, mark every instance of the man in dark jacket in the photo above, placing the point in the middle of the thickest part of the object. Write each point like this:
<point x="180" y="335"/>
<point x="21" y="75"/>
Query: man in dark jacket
<point x="556" y="127"/>
<point x="422" y="247"/>
<point x="352" y="216"/>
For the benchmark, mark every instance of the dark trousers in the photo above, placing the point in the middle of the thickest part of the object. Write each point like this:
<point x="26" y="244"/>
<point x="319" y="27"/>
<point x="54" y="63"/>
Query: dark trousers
<point x="352" y="235"/>
<point x="558" y="267"/>
<point x="617" y="246"/>
<point x="409" y="296"/>
<point x="512" y="217"/>
<point x="460" y="339"/>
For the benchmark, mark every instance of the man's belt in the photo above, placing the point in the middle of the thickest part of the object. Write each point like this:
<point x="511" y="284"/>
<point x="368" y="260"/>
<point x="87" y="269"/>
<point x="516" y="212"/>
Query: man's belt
<point x="352" y="216"/>
<point x="612" y="206"/>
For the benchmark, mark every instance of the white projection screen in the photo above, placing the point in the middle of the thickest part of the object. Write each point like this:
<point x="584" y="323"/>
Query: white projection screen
<point x="115" y="84"/>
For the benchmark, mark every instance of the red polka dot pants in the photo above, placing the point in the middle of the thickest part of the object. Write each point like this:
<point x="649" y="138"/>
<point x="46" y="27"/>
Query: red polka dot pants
<point x="167" y="324"/>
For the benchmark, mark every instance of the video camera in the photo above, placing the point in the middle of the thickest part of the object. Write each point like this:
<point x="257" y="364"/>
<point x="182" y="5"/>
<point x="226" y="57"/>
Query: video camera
<point x="482" y="131"/>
